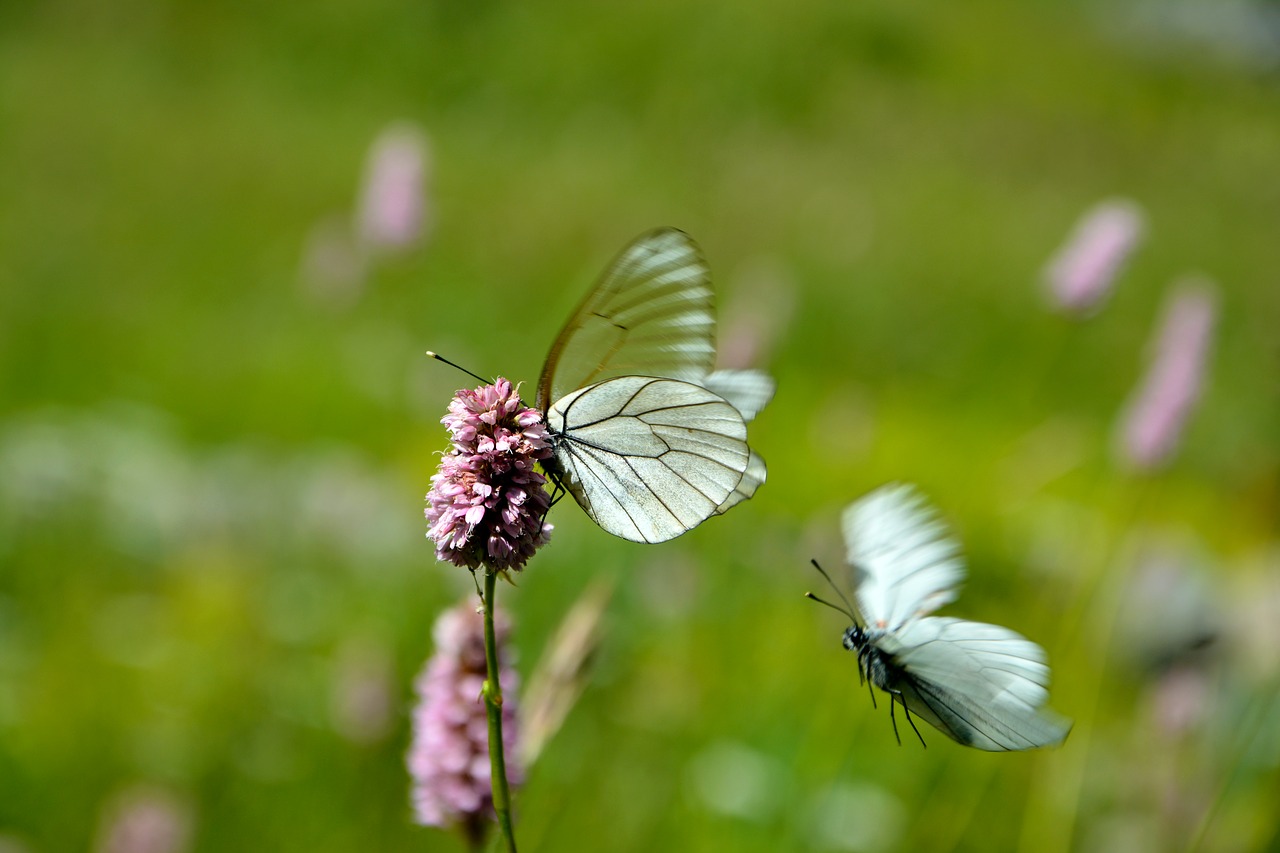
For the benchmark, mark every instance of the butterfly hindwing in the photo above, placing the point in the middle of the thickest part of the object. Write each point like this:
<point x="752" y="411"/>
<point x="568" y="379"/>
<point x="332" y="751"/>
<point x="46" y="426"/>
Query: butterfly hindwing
<point x="648" y="458"/>
<point x="752" y="479"/>
<point x="748" y="391"/>
<point x="983" y="685"/>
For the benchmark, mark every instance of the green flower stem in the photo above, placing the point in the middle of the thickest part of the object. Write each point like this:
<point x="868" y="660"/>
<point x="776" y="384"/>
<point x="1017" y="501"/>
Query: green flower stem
<point x="493" y="705"/>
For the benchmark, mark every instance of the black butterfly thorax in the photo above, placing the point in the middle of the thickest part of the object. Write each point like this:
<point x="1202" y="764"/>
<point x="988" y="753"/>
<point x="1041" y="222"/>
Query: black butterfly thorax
<point x="875" y="665"/>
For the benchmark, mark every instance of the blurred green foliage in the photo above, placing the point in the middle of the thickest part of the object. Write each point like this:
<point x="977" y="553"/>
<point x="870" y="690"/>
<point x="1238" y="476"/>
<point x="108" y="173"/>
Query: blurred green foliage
<point x="211" y="480"/>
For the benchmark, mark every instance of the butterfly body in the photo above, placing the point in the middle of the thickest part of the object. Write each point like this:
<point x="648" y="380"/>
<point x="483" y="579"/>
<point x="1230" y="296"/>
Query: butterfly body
<point x="873" y="665"/>
<point x="982" y="685"/>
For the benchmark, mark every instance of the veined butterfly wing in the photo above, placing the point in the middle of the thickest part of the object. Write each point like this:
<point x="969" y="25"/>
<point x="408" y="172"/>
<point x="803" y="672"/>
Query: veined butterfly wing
<point x="904" y="562"/>
<point x="648" y="458"/>
<point x="982" y="685"/>
<point x="651" y="314"/>
<point x="748" y="391"/>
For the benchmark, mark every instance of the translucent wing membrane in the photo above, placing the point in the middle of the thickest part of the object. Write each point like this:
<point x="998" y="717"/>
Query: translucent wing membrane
<point x="982" y="685"/>
<point x="748" y="391"/>
<point x="651" y="314"/>
<point x="752" y="479"/>
<point x="648" y="458"/>
<point x="904" y="562"/>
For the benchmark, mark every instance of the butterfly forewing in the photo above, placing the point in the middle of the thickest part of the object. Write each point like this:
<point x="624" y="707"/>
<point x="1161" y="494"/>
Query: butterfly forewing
<point x="650" y="314"/>
<point x="983" y="685"/>
<point x="648" y="458"/>
<point x="905" y="564"/>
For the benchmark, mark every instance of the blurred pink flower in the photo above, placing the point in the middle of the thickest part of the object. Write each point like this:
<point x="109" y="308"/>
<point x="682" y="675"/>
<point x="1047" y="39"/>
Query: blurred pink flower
<point x="487" y="503"/>
<point x="144" y="820"/>
<point x="332" y="271"/>
<point x="1155" y="417"/>
<point x="760" y="309"/>
<point x="392" y="213"/>
<point x="361" y="701"/>
<point x="1080" y="275"/>
<point x="449" y="757"/>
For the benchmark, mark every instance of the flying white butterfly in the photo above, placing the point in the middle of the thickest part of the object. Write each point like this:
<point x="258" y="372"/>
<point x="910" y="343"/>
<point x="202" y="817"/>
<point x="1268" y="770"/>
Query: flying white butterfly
<point x="981" y="685"/>
<point x="646" y="437"/>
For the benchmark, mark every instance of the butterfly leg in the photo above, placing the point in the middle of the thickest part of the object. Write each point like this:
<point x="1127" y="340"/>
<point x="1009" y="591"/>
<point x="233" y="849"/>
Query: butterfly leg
<point x="863" y="665"/>
<point x="893" y="719"/>
<point x="557" y="492"/>
<point x="907" y="711"/>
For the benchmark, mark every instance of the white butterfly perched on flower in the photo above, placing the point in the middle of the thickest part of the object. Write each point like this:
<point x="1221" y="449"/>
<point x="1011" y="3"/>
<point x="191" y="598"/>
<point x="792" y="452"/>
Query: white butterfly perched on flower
<point x="981" y="685"/>
<point x="647" y="437"/>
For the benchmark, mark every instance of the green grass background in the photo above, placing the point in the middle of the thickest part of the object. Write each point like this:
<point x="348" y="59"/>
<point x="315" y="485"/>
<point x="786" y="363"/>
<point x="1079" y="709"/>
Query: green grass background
<point x="211" y="484"/>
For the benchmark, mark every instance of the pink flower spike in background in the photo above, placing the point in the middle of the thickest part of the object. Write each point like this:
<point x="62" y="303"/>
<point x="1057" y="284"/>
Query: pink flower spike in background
<point x="1082" y="272"/>
<point x="487" y="503"/>
<point x="393" y="214"/>
<point x="143" y="819"/>
<point x="449" y="758"/>
<point x="1154" y="419"/>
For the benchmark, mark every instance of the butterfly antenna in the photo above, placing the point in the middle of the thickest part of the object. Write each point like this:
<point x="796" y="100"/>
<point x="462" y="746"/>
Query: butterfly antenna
<point x="439" y="357"/>
<point x="848" y="608"/>
<point x="834" y="607"/>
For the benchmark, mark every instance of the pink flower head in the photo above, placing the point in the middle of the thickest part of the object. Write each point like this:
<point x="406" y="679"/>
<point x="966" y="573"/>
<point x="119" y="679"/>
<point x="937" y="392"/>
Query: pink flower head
<point x="487" y="503"/>
<point x="1082" y="272"/>
<point x="449" y="757"/>
<point x="392" y="211"/>
<point x="145" y="820"/>
<point x="1156" y="415"/>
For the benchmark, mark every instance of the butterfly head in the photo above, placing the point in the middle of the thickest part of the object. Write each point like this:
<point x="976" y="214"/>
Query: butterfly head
<point x="855" y="638"/>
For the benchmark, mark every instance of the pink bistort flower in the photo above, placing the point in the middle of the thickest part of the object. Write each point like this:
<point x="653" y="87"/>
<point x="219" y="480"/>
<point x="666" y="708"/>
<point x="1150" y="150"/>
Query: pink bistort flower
<point x="1080" y="275"/>
<point x="1154" y="420"/>
<point x="449" y="757"/>
<point x="143" y="819"/>
<point x="393" y="213"/>
<point x="487" y="503"/>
